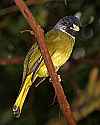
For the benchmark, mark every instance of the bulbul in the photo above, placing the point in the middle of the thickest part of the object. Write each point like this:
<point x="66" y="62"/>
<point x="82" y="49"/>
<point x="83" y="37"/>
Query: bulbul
<point x="60" y="41"/>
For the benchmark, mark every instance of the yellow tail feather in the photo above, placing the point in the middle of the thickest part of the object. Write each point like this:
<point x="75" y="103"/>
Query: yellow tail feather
<point x="22" y="95"/>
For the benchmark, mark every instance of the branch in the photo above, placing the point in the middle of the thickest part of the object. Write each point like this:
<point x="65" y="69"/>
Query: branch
<point x="39" y="33"/>
<point x="89" y="99"/>
<point x="7" y="61"/>
<point x="13" y="8"/>
<point x="90" y="61"/>
<point x="19" y="60"/>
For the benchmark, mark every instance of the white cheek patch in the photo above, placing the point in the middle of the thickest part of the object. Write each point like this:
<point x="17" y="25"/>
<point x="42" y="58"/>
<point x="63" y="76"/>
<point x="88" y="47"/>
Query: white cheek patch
<point x="75" y="28"/>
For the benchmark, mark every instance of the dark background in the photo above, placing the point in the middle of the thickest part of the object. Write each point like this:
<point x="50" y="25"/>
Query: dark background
<point x="80" y="75"/>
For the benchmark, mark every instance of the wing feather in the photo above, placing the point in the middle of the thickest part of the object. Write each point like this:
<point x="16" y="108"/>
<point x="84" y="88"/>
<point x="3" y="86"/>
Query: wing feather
<point x="34" y="57"/>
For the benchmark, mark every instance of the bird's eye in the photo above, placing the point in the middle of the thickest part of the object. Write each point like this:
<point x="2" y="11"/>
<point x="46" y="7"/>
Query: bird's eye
<point x="75" y="28"/>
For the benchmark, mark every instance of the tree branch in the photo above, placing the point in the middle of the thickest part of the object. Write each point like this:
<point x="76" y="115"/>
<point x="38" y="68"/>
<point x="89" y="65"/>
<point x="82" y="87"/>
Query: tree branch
<point x="13" y="8"/>
<point x="15" y="60"/>
<point x="39" y="33"/>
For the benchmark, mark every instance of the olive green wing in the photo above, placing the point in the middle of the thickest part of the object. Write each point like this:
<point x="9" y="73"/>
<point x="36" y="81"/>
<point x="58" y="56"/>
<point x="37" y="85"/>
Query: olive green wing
<point x="34" y="58"/>
<point x="26" y="69"/>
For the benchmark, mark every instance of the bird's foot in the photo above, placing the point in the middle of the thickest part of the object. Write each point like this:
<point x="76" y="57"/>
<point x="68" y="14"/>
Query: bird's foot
<point x="58" y="78"/>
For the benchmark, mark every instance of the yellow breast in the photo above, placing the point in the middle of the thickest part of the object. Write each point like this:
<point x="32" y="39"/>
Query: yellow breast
<point x="62" y="47"/>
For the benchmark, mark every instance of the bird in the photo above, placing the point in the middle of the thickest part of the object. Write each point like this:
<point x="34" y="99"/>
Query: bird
<point x="60" y="41"/>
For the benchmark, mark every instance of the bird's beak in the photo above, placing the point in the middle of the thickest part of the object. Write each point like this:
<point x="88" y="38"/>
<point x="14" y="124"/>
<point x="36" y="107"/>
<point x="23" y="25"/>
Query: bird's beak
<point x="76" y="28"/>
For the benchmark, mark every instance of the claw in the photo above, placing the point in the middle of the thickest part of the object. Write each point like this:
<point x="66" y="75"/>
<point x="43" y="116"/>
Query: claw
<point x="58" y="78"/>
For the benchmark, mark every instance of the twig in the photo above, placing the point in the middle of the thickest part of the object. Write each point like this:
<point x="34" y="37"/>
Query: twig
<point x="87" y="60"/>
<point x="75" y="87"/>
<point x="19" y="60"/>
<point x="64" y="105"/>
<point x="13" y="8"/>
<point x="89" y="99"/>
<point x="90" y="61"/>
<point x="7" y="61"/>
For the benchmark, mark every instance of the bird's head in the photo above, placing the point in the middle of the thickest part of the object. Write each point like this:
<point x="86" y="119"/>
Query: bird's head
<point x="68" y="24"/>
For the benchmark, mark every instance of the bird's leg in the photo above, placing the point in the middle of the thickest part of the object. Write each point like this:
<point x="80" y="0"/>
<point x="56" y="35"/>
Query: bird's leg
<point x="30" y="31"/>
<point x="40" y="82"/>
<point x="54" y="98"/>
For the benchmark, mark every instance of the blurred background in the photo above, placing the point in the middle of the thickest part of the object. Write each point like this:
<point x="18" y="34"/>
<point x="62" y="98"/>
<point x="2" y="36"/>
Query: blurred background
<point x="80" y="75"/>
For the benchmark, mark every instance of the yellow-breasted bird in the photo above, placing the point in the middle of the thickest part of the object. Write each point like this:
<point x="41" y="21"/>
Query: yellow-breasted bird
<point x="60" y="41"/>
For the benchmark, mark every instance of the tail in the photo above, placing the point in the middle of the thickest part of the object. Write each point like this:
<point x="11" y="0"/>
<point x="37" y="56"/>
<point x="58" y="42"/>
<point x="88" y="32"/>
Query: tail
<point x="17" y="108"/>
